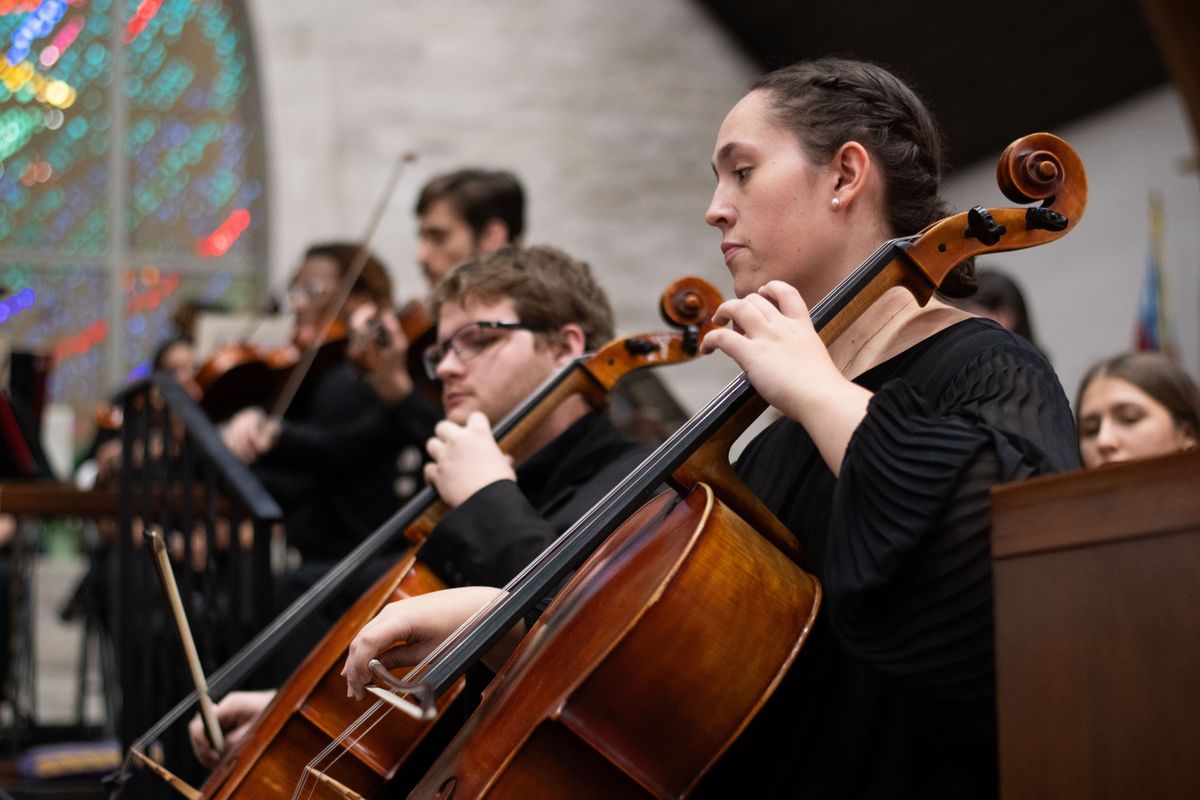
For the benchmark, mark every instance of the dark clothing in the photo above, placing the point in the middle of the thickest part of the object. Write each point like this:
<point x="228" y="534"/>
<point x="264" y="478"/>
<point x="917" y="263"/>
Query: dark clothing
<point x="336" y="473"/>
<point x="497" y="531"/>
<point x="488" y="539"/>
<point x="334" y="468"/>
<point x="893" y="696"/>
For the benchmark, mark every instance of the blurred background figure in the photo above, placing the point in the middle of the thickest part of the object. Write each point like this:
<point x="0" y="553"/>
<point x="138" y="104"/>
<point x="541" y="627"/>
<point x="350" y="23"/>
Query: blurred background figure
<point x="100" y="463"/>
<point x="999" y="298"/>
<point x="1136" y="405"/>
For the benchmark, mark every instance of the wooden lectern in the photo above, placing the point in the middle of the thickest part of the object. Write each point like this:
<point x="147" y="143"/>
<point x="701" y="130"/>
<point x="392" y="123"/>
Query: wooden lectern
<point x="1097" y="585"/>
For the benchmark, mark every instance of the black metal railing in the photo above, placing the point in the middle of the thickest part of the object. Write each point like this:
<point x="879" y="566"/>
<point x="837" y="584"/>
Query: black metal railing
<point x="217" y="520"/>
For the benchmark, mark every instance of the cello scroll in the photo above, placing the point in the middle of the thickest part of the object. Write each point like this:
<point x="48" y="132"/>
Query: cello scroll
<point x="1040" y="166"/>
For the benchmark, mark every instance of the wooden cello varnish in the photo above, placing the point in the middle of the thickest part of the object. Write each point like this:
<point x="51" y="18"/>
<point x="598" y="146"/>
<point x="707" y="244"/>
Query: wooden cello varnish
<point x="311" y="712"/>
<point x="675" y="631"/>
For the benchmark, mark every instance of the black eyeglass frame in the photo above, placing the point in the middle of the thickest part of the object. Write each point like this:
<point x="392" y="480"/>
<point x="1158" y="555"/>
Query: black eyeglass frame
<point x="434" y="354"/>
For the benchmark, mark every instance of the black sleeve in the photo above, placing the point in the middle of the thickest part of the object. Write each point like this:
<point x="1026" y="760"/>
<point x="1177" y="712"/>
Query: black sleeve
<point x="487" y="539"/>
<point x="908" y="571"/>
<point x="338" y="448"/>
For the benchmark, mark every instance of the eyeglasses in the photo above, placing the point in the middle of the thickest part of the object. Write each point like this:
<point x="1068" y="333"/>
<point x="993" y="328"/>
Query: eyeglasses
<point x="467" y="342"/>
<point x="309" y="290"/>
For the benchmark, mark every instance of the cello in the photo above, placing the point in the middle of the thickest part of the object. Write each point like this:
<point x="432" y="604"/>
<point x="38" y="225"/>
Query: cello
<point x="635" y="651"/>
<point x="311" y="736"/>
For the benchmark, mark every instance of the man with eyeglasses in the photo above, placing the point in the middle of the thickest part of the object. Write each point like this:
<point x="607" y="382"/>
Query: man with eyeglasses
<point x="506" y="322"/>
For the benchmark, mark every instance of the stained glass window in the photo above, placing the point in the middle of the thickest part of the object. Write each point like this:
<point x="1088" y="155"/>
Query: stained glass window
<point x="100" y="244"/>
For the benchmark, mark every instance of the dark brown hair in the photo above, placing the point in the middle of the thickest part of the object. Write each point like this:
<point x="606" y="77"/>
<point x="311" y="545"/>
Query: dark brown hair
<point x="373" y="281"/>
<point x="479" y="196"/>
<point x="1157" y="376"/>
<point x="831" y="101"/>
<point x="548" y="288"/>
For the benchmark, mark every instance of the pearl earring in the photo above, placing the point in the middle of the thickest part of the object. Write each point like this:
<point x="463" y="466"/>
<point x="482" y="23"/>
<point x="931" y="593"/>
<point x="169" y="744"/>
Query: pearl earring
<point x="835" y="202"/>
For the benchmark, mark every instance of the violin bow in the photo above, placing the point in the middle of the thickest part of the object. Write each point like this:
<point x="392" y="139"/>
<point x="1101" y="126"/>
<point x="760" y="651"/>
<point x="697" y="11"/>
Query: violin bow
<point x="288" y="394"/>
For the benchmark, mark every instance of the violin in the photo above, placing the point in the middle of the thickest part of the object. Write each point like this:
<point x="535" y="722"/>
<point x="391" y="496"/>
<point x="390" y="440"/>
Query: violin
<point x="240" y="375"/>
<point x="415" y="324"/>
<point x="637" y="677"/>
<point x="244" y="376"/>
<point x="311" y="735"/>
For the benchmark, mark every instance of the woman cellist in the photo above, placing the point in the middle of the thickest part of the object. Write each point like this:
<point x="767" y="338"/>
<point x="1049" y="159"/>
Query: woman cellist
<point x="880" y="465"/>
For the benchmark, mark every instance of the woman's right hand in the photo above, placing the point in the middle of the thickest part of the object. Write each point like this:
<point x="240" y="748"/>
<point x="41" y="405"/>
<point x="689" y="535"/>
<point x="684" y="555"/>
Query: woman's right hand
<point x="236" y="713"/>
<point x="408" y="630"/>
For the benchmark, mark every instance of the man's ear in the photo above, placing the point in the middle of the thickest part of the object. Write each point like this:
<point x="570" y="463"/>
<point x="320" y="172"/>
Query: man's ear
<point x="570" y="343"/>
<point x="493" y="236"/>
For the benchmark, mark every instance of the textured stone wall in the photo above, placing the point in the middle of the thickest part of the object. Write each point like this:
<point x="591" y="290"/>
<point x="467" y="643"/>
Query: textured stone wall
<point x="607" y="111"/>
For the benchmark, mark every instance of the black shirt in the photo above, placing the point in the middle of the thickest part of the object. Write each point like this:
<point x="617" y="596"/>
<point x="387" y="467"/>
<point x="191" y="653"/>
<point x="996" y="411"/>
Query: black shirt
<point x="334" y="467"/>
<point x="893" y="695"/>
<point x="497" y="531"/>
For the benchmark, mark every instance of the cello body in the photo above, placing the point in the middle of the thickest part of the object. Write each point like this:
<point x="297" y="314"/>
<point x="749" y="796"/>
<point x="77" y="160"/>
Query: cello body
<point x="594" y="702"/>
<point x="311" y="711"/>
<point x="312" y="740"/>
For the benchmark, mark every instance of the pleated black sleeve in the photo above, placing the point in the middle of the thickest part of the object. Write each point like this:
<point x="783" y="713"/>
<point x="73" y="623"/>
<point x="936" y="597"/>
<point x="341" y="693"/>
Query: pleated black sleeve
<point x="893" y="695"/>
<point x="908" y="570"/>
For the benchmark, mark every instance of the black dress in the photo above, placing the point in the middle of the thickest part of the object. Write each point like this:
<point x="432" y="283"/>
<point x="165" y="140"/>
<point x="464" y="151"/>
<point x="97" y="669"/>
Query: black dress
<point x="893" y="696"/>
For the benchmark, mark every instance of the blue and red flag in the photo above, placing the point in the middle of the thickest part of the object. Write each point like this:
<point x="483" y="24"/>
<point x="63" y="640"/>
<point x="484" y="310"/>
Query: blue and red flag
<point x="1153" y="331"/>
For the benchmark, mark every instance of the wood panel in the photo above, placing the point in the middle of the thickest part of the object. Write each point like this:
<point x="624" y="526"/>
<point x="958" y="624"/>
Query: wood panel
<point x="1097" y="578"/>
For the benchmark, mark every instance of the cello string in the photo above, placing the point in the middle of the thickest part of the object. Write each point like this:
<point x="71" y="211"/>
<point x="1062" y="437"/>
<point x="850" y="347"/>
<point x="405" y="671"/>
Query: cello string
<point x="333" y="745"/>
<point x="336" y="744"/>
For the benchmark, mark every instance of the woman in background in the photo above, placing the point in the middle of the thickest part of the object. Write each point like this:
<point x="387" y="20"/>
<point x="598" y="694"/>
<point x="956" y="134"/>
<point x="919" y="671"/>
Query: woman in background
<point x="999" y="298"/>
<point x="1136" y="405"/>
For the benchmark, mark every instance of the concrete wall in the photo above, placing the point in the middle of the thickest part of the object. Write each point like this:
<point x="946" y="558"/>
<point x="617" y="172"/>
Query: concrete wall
<point x="1083" y="290"/>
<point x="608" y="112"/>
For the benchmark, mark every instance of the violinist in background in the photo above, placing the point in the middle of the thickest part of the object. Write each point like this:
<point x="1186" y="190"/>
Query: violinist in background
<point x="331" y="463"/>
<point x="466" y="213"/>
<point x="881" y="463"/>
<point x="101" y="462"/>
<point x="1136" y="405"/>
